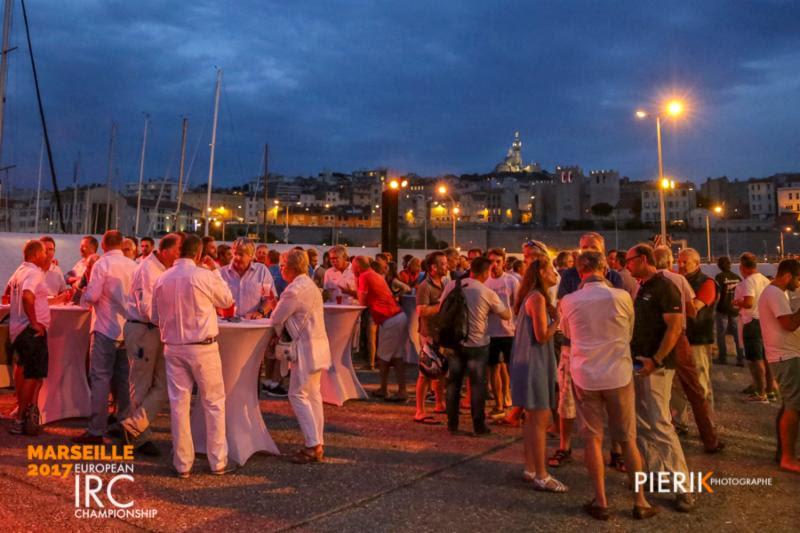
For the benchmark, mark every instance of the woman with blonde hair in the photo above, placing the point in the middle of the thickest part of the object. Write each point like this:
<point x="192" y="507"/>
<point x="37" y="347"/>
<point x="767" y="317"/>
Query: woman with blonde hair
<point x="533" y="368"/>
<point x="300" y="313"/>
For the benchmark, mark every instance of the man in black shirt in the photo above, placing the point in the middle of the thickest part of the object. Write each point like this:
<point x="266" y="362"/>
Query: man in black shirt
<point x="726" y="318"/>
<point x="657" y="327"/>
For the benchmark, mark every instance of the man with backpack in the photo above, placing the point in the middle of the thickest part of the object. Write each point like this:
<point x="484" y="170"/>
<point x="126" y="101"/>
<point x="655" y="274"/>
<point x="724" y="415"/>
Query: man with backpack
<point x="461" y="326"/>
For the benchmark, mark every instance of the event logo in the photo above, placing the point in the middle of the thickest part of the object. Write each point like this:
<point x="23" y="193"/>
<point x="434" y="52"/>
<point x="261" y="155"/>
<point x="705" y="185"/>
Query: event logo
<point x="101" y="476"/>
<point x="693" y="482"/>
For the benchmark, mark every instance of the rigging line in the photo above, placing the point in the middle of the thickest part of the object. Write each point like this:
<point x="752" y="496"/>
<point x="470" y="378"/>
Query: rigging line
<point x="154" y="213"/>
<point x="259" y="181"/>
<point x="188" y="175"/>
<point x="44" y="122"/>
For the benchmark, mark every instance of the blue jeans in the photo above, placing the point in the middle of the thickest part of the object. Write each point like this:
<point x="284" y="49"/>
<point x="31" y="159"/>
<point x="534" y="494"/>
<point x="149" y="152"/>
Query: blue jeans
<point x="473" y="362"/>
<point x="727" y="325"/>
<point x="108" y="369"/>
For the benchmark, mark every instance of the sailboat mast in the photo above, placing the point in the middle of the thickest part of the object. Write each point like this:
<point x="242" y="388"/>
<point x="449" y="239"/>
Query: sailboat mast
<point x="266" y="190"/>
<point x="7" y="10"/>
<point x="213" y="146"/>
<point x="109" y="173"/>
<point x="181" y="170"/>
<point x="141" y="175"/>
<point x="74" y="210"/>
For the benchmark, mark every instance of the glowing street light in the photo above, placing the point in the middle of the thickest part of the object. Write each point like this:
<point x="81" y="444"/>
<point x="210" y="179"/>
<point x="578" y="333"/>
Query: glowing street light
<point x="672" y="108"/>
<point x="786" y="229"/>
<point x="442" y="189"/>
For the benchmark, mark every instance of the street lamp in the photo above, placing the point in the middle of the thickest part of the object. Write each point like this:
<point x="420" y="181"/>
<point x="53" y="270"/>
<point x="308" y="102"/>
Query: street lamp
<point x="453" y="209"/>
<point x="787" y="229"/>
<point x="673" y="108"/>
<point x="424" y="219"/>
<point x="720" y="213"/>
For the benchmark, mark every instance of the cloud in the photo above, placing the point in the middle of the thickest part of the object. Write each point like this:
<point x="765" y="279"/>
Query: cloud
<point x="418" y="86"/>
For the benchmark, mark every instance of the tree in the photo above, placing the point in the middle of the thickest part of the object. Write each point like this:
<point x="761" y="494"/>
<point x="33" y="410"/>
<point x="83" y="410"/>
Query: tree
<point x="602" y="209"/>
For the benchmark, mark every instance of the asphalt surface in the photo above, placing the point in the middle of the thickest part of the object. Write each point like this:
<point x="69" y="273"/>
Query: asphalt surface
<point x="385" y="473"/>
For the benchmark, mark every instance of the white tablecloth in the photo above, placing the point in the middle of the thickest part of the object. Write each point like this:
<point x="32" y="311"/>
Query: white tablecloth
<point x="65" y="390"/>
<point x="340" y="382"/>
<point x="242" y="346"/>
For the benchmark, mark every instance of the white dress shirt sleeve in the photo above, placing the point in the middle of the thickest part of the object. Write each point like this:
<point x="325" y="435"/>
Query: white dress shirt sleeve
<point x="217" y="289"/>
<point x="287" y="306"/>
<point x="94" y="290"/>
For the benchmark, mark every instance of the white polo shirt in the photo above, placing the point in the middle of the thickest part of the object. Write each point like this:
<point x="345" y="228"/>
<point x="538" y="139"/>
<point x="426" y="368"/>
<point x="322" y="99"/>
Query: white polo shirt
<point x="54" y="280"/>
<point x="108" y="292"/>
<point x="336" y="279"/>
<point x="779" y="344"/>
<point x="505" y="287"/>
<point x="27" y="277"/>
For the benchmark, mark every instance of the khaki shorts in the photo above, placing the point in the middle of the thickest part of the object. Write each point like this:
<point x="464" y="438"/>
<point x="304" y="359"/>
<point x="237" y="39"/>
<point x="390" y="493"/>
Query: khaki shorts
<point x="566" y="398"/>
<point x="620" y="406"/>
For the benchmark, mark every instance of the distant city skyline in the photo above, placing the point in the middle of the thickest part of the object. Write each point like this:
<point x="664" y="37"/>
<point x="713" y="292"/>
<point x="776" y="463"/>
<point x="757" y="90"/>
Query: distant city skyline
<point x="413" y="87"/>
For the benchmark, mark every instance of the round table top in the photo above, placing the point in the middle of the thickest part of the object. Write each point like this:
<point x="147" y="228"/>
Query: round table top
<point x="60" y="307"/>
<point x="245" y="324"/>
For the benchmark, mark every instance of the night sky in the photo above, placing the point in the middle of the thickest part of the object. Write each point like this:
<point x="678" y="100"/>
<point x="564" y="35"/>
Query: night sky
<point x="415" y="86"/>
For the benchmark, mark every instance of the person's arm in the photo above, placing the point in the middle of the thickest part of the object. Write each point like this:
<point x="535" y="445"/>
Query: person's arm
<point x="362" y="291"/>
<point x="218" y="290"/>
<point x="537" y="310"/>
<point x="790" y="322"/>
<point x="498" y="307"/>
<point x="706" y="296"/>
<point x="29" y="306"/>
<point x="674" y="330"/>
<point x="399" y="287"/>
<point x="94" y="289"/>
<point x="287" y="306"/>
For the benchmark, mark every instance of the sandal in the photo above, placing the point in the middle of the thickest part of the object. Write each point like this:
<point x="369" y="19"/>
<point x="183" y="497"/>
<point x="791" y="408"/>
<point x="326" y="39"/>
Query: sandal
<point x="302" y="457"/>
<point x="507" y="421"/>
<point x="549" y="484"/>
<point x="428" y="421"/>
<point x="595" y="511"/>
<point x="560" y="457"/>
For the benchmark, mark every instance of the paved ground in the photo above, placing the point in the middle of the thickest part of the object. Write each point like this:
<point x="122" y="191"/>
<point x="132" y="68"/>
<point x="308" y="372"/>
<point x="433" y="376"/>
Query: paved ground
<point x="385" y="473"/>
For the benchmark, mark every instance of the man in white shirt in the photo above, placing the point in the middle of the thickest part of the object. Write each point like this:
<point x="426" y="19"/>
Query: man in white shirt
<point x="471" y="357"/>
<point x="501" y="332"/>
<point x="779" y="327"/>
<point x="339" y="279"/>
<point x="745" y="297"/>
<point x="147" y="245"/>
<point x="28" y="323"/>
<point x="185" y="299"/>
<point x="250" y="282"/>
<point x="598" y="320"/>
<point x="107" y="293"/>
<point x="147" y="378"/>
<point x="687" y="389"/>
<point x="53" y="277"/>
<point x="88" y="250"/>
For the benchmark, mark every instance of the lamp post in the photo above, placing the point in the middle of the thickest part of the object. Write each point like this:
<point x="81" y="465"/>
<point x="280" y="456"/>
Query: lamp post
<point x="721" y="213"/>
<point x="424" y="220"/>
<point x="389" y="213"/>
<point x="783" y="250"/>
<point x="453" y="210"/>
<point x="708" y="240"/>
<point x="673" y="108"/>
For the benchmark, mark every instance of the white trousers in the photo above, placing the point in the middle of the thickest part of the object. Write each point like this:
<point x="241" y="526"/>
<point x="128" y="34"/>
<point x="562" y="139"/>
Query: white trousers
<point x="185" y="366"/>
<point x="306" y="400"/>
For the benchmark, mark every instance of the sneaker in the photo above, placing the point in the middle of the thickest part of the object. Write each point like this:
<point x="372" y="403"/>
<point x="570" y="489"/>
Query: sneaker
<point x="681" y="429"/>
<point x="755" y="398"/>
<point x="277" y="391"/>
<point x="31" y="423"/>
<point x="17" y="427"/>
<point x="772" y="397"/>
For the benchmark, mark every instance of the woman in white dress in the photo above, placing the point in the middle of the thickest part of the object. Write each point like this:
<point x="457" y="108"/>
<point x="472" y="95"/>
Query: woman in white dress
<point x="300" y="313"/>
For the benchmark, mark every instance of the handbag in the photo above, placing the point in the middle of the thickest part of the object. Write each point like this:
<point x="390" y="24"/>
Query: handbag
<point x="432" y="362"/>
<point x="285" y="348"/>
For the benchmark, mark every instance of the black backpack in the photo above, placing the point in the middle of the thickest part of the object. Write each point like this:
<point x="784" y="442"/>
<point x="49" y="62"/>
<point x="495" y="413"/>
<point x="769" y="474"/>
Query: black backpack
<point x="450" y="327"/>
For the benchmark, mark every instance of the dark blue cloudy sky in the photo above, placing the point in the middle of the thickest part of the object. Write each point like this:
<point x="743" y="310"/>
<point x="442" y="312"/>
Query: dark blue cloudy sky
<point x="416" y="86"/>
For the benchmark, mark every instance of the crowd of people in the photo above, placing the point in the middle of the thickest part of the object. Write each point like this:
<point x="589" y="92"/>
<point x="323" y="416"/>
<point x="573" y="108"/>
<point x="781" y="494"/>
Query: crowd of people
<point x="593" y="339"/>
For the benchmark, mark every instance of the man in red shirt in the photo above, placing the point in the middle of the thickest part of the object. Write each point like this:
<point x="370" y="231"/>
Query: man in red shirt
<point x="374" y="293"/>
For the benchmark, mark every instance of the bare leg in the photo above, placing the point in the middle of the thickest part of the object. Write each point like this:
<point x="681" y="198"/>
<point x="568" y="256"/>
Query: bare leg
<point x="400" y="375"/>
<point x="421" y="391"/>
<point x="372" y="335"/>
<point x="535" y="441"/>
<point x="593" y="451"/>
<point x="505" y="385"/>
<point x="757" y="370"/>
<point x="633" y="460"/>
<point x="438" y="387"/>
<point x="788" y="436"/>
<point x="771" y="386"/>
<point x="497" y="387"/>
<point x="566" y="433"/>
<point x="384" y="368"/>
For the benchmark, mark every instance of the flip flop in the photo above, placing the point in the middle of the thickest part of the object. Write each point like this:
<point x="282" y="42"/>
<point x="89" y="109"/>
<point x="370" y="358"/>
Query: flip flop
<point x="428" y="421"/>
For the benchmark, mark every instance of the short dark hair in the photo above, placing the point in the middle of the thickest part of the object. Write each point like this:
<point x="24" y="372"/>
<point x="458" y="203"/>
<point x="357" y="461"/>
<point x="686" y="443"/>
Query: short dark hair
<point x="92" y="241"/>
<point x="499" y="252"/>
<point x="31" y="247"/>
<point x="167" y="241"/>
<point x="150" y="240"/>
<point x="479" y="266"/>
<point x="789" y="266"/>
<point x="748" y="260"/>
<point x="646" y="251"/>
<point x="590" y="262"/>
<point x="380" y="256"/>
<point x="47" y="238"/>
<point x="430" y="259"/>
<point x="207" y="239"/>
<point x="473" y="250"/>
<point x="190" y="246"/>
<point x="274" y="256"/>
<point x="112" y="238"/>
<point x="724" y="263"/>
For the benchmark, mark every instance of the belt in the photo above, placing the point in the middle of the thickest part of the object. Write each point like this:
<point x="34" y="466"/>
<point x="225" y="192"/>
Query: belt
<point x="149" y="325"/>
<point x="209" y="340"/>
